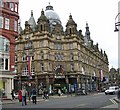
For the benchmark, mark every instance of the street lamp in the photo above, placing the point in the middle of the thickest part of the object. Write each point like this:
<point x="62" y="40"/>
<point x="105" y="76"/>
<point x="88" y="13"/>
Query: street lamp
<point x="116" y="24"/>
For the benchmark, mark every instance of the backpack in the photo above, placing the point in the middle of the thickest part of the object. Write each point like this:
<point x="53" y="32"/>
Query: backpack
<point x="34" y="92"/>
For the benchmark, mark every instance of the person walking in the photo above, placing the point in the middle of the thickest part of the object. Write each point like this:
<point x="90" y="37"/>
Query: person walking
<point x="34" y="95"/>
<point x="24" y="102"/>
<point x="59" y="92"/>
<point x="12" y="93"/>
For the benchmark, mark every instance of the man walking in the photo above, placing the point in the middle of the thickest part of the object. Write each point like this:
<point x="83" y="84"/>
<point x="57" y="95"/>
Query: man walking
<point x="34" y="95"/>
<point x="24" y="96"/>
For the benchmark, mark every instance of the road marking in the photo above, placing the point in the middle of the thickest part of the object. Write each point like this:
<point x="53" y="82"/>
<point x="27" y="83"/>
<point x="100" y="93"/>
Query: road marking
<point x="113" y="101"/>
<point x="80" y="105"/>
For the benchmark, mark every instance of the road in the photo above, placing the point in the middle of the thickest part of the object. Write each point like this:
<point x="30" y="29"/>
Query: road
<point x="88" y="101"/>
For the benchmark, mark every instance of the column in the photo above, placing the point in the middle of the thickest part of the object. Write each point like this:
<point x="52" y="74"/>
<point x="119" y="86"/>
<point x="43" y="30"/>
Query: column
<point x="47" y="81"/>
<point x="78" y="81"/>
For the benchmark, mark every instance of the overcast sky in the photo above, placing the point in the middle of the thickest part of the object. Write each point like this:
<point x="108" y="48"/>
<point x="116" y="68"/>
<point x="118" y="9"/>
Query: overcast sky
<point x="100" y="15"/>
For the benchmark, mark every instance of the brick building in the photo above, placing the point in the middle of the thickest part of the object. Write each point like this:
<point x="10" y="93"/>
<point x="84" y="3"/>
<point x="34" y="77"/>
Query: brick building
<point x="8" y="32"/>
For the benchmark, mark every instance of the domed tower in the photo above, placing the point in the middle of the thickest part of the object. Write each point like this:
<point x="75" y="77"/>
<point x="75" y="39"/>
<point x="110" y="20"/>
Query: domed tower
<point x="32" y="22"/>
<point x="71" y="26"/>
<point x="43" y="22"/>
<point x="53" y="17"/>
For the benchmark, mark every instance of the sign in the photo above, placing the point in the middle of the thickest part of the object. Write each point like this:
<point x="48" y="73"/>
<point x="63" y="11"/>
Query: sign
<point x="59" y="76"/>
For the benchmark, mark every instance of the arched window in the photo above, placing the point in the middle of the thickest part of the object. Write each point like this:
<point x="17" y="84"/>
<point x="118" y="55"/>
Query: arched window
<point x="41" y="55"/>
<point x="4" y="53"/>
<point x="41" y="27"/>
<point x="42" y="66"/>
<point x="70" y="31"/>
<point x="83" y="71"/>
<point x="71" y="56"/>
<point x="72" y="67"/>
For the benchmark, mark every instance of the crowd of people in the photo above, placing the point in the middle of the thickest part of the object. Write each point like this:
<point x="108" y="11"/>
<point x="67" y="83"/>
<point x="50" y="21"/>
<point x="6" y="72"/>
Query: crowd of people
<point x="22" y="94"/>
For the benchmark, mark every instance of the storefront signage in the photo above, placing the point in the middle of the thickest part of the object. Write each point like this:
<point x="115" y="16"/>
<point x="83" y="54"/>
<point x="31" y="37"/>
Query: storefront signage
<point x="59" y="76"/>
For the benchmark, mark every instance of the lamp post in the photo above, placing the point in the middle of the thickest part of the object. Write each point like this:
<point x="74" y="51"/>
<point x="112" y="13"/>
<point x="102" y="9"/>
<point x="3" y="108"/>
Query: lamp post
<point x="116" y="24"/>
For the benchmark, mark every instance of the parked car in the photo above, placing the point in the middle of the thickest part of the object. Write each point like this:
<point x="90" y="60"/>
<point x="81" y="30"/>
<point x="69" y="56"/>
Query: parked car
<point x="112" y="90"/>
<point x="81" y="91"/>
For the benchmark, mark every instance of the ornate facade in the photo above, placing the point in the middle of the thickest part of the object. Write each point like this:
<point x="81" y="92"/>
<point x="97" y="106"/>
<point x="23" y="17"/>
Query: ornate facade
<point x="114" y="77"/>
<point x="46" y="54"/>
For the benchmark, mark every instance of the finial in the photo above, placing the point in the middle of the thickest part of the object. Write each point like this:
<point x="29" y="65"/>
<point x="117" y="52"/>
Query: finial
<point x="86" y="24"/>
<point x="42" y="12"/>
<point x="31" y="12"/>
<point x="70" y="17"/>
<point x="49" y="3"/>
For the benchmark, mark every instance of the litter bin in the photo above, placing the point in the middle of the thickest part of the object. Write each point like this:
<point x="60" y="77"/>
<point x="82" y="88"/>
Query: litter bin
<point x="20" y="95"/>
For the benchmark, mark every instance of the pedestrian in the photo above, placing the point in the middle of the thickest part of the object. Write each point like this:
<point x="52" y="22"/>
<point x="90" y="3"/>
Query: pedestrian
<point x="59" y="92"/>
<point x="34" y="95"/>
<point x="12" y="94"/>
<point x="24" y="102"/>
<point x="44" y="94"/>
<point x="66" y="91"/>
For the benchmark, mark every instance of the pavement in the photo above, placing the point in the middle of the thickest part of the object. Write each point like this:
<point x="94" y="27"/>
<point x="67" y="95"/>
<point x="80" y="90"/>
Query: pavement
<point x="115" y="104"/>
<point x="9" y="101"/>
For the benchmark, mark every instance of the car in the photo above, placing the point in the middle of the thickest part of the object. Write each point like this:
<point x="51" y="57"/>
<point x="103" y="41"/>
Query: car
<point x="112" y="90"/>
<point x="81" y="91"/>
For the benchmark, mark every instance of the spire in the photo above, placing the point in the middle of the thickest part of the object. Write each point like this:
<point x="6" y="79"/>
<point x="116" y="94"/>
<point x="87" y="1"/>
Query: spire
<point x="71" y="21"/>
<point x="31" y="21"/>
<point x="19" y="27"/>
<point x="87" y="33"/>
<point x="31" y="13"/>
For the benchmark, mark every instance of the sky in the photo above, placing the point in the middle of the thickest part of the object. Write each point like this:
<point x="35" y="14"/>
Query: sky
<point x="99" y="14"/>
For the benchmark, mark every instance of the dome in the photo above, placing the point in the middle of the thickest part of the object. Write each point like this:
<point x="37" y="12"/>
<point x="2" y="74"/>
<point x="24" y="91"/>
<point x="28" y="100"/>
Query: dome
<point x="52" y="15"/>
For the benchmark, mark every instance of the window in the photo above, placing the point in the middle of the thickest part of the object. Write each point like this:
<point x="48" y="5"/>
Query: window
<point x="42" y="67"/>
<point x="58" y="36"/>
<point x="32" y="71"/>
<point x="41" y="55"/>
<point x="16" y="8"/>
<point x="1" y="22"/>
<point x="27" y="36"/>
<point x="6" y="23"/>
<point x="16" y="47"/>
<point x="15" y="57"/>
<point x="6" y="64"/>
<point x="4" y="44"/>
<point x="24" y="57"/>
<point x="11" y="6"/>
<point x="71" y="57"/>
<point x="25" y="71"/>
<point x="1" y="3"/>
<point x="42" y="44"/>
<point x="1" y="63"/>
<point x="70" y="46"/>
<point x="15" y="25"/>
<point x="72" y="67"/>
